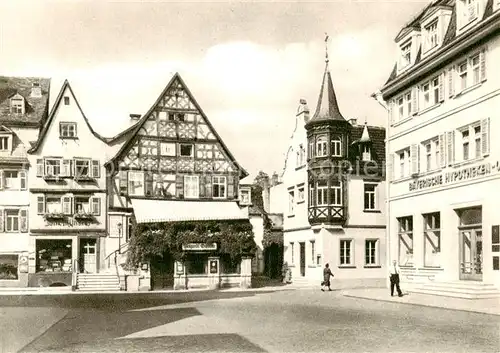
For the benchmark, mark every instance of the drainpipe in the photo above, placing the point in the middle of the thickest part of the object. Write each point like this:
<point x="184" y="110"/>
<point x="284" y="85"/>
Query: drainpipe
<point x="378" y="97"/>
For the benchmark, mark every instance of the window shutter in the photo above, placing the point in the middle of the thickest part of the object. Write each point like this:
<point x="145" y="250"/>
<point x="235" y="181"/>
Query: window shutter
<point x="40" y="204"/>
<point x="96" y="205"/>
<point x="441" y="87"/>
<point x="1" y="220"/>
<point x="451" y="81"/>
<point x="23" y="216"/>
<point x="22" y="177"/>
<point x="179" y="185"/>
<point x="414" y="100"/>
<point x="148" y="183"/>
<point x="39" y="168"/>
<point x="1" y="179"/>
<point x="208" y="186"/>
<point x="482" y="63"/>
<point x="391" y="112"/>
<point x="442" y="151"/>
<point x="485" y="136"/>
<point x="414" y="159"/>
<point x="202" y="187"/>
<point x="390" y="167"/>
<point x="230" y="186"/>
<point x="450" y="147"/>
<point x="96" y="170"/>
<point x="66" y="167"/>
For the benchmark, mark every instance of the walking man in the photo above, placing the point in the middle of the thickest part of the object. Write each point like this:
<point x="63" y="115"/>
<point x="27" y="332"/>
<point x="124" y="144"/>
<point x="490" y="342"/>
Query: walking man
<point x="327" y="273"/>
<point x="394" y="277"/>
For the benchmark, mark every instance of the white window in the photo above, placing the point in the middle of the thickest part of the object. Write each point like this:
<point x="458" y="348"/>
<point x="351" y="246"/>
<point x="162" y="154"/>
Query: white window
<point x="477" y="141"/>
<point x="346" y="252"/>
<point x="245" y="196"/>
<point x="471" y="142"/>
<point x="406" y="54"/>
<point x="321" y="145"/>
<point x="53" y="204"/>
<point x="468" y="11"/>
<point x="462" y="74"/>
<point x="435" y="91"/>
<point x="432" y="239"/>
<point x="336" y="146"/>
<point x="13" y="179"/>
<point x="431" y="92"/>
<point x="369" y="196"/>
<point x="475" y="67"/>
<point x="405" y="234"/>
<point x="67" y="129"/>
<point x="311" y="149"/>
<point x="404" y="163"/>
<point x="371" y="252"/>
<point x="313" y="252"/>
<point x="136" y="183"/>
<point x="311" y="194"/>
<point x="471" y="71"/>
<point x="465" y="145"/>
<point x="302" y="155"/>
<point x="82" y="204"/>
<point x="431" y="34"/>
<point x="12" y="220"/>
<point x="167" y="149"/>
<point x="291" y="202"/>
<point x="437" y="156"/>
<point x="4" y="143"/>
<point x="191" y="187"/>
<point x="186" y="150"/>
<point x="401" y="109"/>
<point x="336" y="193"/>
<point x="322" y="193"/>
<point x="82" y="168"/>
<point x="426" y="97"/>
<point x="366" y="155"/>
<point x="408" y="103"/>
<point x="301" y="195"/>
<point x="428" y="156"/>
<point x="219" y="187"/>
<point x="52" y="167"/>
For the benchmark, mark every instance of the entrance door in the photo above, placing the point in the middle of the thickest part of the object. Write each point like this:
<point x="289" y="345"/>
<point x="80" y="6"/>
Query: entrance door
<point x="302" y="259"/>
<point x="471" y="254"/>
<point x="162" y="272"/>
<point x="88" y="255"/>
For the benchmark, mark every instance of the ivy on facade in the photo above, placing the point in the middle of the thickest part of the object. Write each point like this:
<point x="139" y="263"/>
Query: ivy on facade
<point x="271" y="237"/>
<point x="233" y="238"/>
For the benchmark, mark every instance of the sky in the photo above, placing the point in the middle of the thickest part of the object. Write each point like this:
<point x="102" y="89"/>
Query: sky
<point x="247" y="63"/>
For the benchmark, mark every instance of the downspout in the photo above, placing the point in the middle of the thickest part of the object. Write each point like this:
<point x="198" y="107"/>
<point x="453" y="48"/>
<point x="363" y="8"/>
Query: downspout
<point x="378" y="97"/>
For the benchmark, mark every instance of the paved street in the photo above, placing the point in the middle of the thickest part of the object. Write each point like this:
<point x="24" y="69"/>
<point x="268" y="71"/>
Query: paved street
<point x="303" y="320"/>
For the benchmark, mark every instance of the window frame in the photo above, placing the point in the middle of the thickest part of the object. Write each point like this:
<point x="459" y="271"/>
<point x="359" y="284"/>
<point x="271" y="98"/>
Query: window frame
<point x="291" y="201"/>
<point x="375" y="255"/>
<point x="405" y="54"/>
<point x="66" y="125"/>
<point x="4" y="147"/>
<point x="321" y="145"/>
<point x="435" y="228"/>
<point x="216" y="181"/>
<point x="343" y="256"/>
<point x="16" y="214"/>
<point x="323" y="189"/>
<point x="89" y="167"/>
<point x="50" y="166"/>
<point x="183" y="145"/>
<point x="336" y="146"/>
<point x="136" y="177"/>
<point x="408" y="230"/>
<point x="370" y="194"/>
<point x="191" y="183"/>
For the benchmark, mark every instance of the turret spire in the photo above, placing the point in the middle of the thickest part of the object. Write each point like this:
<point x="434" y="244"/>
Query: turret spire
<point x="326" y="48"/>
<point x="365" y="136"/>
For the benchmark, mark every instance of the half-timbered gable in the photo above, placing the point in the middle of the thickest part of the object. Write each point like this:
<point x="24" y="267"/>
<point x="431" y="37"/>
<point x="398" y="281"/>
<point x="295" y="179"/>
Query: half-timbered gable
<point x="174" y="153"/>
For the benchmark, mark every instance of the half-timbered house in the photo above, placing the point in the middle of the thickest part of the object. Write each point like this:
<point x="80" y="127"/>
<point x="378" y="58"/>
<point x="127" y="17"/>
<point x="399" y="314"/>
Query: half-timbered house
<point x="176" y="168"/>
<point x="23" y="109"/>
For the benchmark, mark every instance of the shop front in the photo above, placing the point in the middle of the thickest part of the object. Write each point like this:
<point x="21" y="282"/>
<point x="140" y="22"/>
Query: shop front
<point x="57" y="259"/>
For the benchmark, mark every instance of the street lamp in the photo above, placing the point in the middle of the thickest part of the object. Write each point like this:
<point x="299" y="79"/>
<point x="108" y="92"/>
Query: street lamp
<point x="119" y="237"/>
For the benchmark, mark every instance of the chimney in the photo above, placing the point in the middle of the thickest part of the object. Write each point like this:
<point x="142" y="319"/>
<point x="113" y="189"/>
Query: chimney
<point x="36" y="90"/>
<point x="303" y="110"/>
<point x="135" y="117"/>
<point x="266" y="199"/>
<point x="275" y="179"/>
<point x="353" y="121"/>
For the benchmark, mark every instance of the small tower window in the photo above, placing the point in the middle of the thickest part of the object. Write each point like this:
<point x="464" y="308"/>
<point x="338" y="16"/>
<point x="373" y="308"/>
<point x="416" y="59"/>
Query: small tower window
<point x="336" y="146"/>
<point x="321" y="145"/>
<point x="366" y="155"/>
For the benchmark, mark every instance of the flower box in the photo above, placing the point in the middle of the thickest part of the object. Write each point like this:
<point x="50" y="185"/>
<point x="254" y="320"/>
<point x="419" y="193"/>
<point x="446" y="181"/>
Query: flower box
<point x="54" y="216"/>
<point x="84" y="216"/>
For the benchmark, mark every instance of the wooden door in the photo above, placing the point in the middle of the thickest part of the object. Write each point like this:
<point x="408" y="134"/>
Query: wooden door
<point x="302" y="259"/>
<point x="89" y="256"/>
<point x="471" y="254"/>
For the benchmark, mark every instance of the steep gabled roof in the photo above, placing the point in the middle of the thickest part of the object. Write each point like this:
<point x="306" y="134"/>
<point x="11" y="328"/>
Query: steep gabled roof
<point x="46" y="126"/>
<point x="36" y="108"/>
<point x="135" y="128"/>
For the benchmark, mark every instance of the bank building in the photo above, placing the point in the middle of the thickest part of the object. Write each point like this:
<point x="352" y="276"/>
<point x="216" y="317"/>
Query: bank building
<point x="443" y="158"/>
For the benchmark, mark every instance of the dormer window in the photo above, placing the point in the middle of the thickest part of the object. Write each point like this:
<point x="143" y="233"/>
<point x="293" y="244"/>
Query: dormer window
<point x="4" y="143"/>
<point x="17" y="105"/>
<point x="431" y="35"/>
<point x="67" y="130"/>
<point x="467" y="11"/>
<point x="366" y="155"/>
<point x="406" y="54"/>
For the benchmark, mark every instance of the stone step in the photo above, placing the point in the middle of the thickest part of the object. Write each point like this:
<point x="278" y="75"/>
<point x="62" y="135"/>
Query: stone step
<point x="461" y="284"/>
<point x="457" y="294"/>
<point x="99" y="289"/>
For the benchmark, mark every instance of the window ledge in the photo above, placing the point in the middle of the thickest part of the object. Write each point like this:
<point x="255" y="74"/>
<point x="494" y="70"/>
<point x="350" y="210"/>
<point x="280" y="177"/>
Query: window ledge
<point x="291" y="216"/>
<point x="346" y="266"/>
<point x="468" y="89"/>
<point x="68" y="138"/>
<point x="401" y="122"/>
<point x="429" y="172"/>
<point x="299" y="202"/>
<point x="467" y="162"/>
<point x="372" y="211"/>
<point x="300" y="167"/>
<point x="372" y="266"/>
<point x="428" y="109"/>
<point x="400" y="180"/>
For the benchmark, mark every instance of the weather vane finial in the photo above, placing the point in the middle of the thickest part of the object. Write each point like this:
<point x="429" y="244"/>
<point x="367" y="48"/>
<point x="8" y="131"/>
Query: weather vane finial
<point x="326" y="47"/>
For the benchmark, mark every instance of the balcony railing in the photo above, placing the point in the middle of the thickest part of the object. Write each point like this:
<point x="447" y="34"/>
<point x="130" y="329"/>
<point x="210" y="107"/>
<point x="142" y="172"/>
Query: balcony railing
<point x="327" y="214"/>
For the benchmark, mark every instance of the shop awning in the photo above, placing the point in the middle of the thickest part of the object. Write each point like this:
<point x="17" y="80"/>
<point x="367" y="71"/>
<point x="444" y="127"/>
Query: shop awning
<point x="149" y="211"/>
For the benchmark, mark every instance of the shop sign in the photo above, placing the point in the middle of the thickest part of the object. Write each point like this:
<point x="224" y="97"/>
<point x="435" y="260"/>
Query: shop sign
<point x="462" y="174"/>
<point x="199" y="246"/>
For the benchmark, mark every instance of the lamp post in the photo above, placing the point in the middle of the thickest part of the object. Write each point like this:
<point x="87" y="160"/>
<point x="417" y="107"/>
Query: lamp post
<point x="119" y="237"/>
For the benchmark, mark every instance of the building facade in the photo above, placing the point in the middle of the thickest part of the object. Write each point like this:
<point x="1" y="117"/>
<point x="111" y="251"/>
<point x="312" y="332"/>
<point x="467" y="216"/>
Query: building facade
<point x="175" y="168"/>
<point x="67" y="197"/>
<point x="333" y="181"/>
<point x="443" y="97"/>
<point x="23" y="109"/>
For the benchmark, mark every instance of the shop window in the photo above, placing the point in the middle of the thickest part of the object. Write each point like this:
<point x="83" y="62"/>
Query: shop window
<point x="229" y="266"/>
<point x="346" y="252"/>
<point x="432" y="239"/>
<point x="371" y="252"/>
<point x="197" y="264"/>
<point x="405" y="235"/>
<point x="9" y="267"/>
<point x="53" y="255"/>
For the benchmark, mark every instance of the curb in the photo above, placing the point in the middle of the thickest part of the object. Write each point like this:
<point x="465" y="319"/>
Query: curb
<point x="419" y="304"/>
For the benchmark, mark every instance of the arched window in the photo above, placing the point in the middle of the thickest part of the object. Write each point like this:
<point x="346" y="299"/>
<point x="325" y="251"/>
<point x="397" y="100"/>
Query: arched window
<point x="321" y="145"/>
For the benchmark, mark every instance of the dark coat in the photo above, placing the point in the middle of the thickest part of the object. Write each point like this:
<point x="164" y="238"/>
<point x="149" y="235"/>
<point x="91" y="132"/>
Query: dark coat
<point x="326" y="274"/>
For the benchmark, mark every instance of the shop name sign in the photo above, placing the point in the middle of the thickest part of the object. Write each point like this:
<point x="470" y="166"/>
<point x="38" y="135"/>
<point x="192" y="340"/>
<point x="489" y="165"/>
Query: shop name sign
<point x="462" y="174"/>
<point x="199" y="246"/>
